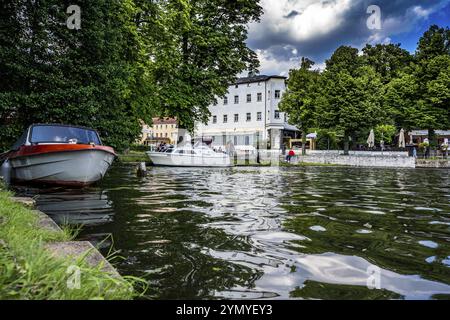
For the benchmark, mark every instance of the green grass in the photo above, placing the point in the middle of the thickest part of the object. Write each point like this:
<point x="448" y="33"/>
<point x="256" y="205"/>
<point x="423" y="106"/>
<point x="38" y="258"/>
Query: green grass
<point x="28" y="271"/>
<point x="133" y="157"/>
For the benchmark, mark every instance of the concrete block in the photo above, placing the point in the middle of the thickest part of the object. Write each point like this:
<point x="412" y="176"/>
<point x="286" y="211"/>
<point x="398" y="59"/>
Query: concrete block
<point x="28" y="202"/>
<point x="77" y="249"/>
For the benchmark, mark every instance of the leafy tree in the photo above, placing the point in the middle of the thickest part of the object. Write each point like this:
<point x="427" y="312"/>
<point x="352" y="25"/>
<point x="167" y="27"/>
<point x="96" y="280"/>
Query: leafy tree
<point x="433" y="57"/>
<point x="131" y="59"/>
<point x="385" y="132"/>
<point x="434" y="42"/>
<point x="326" y="139"/>
<point x="198" y="47"/>
<point x="94" y="76"/>
<point x="388" y="60"/>
<point x="401" y="100"/>
<point x="344" y="59"/>
<point x="299" y="100"/>
<point x="349" y="103"/>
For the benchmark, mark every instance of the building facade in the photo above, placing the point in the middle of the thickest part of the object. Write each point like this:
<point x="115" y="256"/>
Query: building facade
<point x="248" y="115"/>
<point x="162" y="130"/>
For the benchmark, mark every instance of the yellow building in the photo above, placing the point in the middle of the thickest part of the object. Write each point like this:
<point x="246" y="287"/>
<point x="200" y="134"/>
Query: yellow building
<point x="162" y="130"/>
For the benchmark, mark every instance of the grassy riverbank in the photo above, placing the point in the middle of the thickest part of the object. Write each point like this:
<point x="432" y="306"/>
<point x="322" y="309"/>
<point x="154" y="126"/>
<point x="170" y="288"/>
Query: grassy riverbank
<point x="133" y="157"/>
<point x="29" y="271"/>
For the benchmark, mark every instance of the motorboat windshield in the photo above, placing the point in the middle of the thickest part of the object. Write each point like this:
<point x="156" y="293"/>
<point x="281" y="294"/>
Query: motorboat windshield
<point x="63" y="134"/>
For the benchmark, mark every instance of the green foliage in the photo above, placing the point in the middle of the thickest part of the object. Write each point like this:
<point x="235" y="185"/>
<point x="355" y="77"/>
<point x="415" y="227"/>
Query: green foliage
<point x="385" y="87"/>
<point x="130" y="60"/>
<point x="385" y="132"/>
<point x="387" y="60"/>
<point x="299" y="100"/>
<point x="344" y="59"/>
<point x="29" y="271"/>
<point x="349" y="103"/>
<point x="434" y="42"/>
<point x="419" y="97"/>
<point x="198" y="48"/>
<point x="94" y="76"/>
<point x="327" y="139"/>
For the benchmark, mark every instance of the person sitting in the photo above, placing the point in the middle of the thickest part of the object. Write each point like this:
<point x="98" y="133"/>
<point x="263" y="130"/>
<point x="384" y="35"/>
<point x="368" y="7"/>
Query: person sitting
<point x="290" y="155"/>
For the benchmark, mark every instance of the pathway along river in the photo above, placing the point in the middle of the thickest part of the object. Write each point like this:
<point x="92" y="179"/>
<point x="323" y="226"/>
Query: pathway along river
<point x="315" y="232"/>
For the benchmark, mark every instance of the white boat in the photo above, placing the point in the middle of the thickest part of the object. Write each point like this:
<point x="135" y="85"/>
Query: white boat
<point x="59" y="155"/>
<point x="187" y="156"/>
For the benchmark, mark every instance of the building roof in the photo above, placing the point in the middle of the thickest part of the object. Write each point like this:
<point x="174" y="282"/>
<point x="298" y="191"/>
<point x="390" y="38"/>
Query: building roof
<point x="258" y="78"/>
<point x="164" y="121"/>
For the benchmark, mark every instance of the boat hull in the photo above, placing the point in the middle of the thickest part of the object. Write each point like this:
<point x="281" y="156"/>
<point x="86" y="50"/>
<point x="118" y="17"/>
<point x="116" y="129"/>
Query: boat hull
<point x="68" y="168"/>
<point x="186" y="160"/>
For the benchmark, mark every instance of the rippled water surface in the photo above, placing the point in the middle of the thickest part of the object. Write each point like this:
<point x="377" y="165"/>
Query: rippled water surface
<point x="316" y="232"/>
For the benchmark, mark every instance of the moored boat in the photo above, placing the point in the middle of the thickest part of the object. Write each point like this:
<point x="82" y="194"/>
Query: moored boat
<point x="59" y="155"/>
<point x="187" y="156"/>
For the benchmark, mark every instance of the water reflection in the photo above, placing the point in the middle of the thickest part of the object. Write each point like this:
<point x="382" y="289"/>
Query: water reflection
<point x="272" y="233"/>
<point x="87" y="207"/>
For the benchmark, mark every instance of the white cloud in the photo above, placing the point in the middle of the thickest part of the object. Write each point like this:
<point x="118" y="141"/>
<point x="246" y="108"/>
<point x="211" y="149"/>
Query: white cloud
<point x="309" y="19"/>
<point x="421" y="12"/>
<point x="290" y="29"/>
<point x="272" y="65"/>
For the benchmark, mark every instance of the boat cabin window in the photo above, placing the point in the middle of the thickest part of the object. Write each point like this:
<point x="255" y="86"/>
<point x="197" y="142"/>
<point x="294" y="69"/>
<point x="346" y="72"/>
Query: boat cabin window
<point x="185" y="152"/>
<point x="63" y="134"/>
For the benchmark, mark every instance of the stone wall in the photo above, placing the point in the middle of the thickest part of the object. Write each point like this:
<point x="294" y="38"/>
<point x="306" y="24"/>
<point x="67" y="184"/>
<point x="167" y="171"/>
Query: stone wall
<point x="360" y="160"/>
<point x="424" y="163"/>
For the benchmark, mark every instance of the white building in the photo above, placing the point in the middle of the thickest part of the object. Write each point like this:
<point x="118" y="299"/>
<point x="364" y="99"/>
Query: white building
<point x="248" y="115"/>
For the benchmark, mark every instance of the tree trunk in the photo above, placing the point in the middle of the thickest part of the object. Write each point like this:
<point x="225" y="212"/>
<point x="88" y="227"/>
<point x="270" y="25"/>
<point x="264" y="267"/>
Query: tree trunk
<point x="432" y="138"/>
<point x="304" y="142"/>
<point x="346" y="144"/>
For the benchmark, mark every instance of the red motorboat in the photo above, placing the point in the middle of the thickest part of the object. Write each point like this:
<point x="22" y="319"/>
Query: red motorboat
<point x="59" y="155"/>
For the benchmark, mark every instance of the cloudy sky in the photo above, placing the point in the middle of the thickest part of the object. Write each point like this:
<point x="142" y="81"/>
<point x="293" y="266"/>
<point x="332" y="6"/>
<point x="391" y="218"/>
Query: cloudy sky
<point x="290" y="29"/>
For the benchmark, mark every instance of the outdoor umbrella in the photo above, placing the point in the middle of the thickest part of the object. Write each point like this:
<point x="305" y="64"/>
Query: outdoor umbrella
<point x="371" y="139"/>
<point x="401" y="139"/>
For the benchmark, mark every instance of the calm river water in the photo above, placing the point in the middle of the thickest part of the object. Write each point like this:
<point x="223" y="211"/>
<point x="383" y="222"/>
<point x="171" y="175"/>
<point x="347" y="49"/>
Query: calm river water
<point x="315" y="232"/>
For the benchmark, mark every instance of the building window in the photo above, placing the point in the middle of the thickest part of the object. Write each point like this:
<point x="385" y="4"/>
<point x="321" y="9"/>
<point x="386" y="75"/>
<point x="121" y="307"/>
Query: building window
<point x="166" y="135"/>
<point x="236" y="86"/>
<point x="247" y="140"/>
<point x="225" y="118"/>
<point x="225" y="101"/>
<point x="249" y="116"/>
<point x="214" y="119"/>
<point x="236" y="99"/>
<point x="259" y="97"/>
<point x="236" y="117"/>
<point x="248" y="84"/>
<point x="277" y="114"/>
<point x="235" y="140"/>
<point x="259" y="116"/>
<point x="277" y="94"/>
<point x="249" y="98"/>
